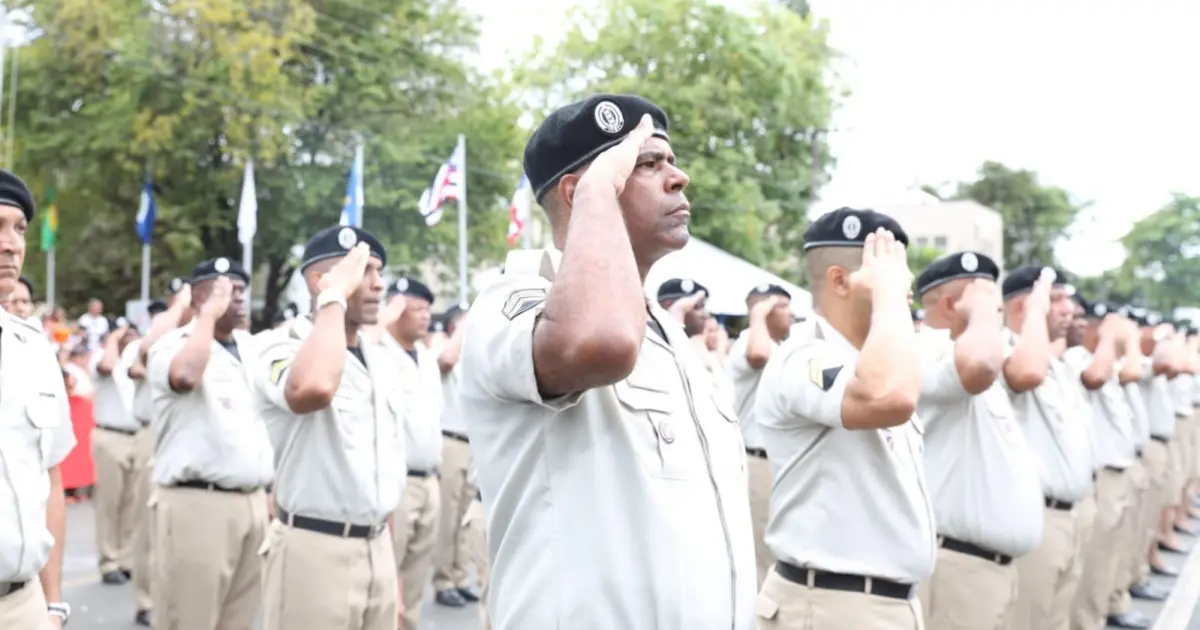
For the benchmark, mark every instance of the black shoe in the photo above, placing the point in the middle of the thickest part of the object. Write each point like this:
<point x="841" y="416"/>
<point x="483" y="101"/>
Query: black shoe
<point x="1147" y="591"/>
<point x="468" y="594"/>
<point x="1185" y="529"/>
<point x="1180" y="549"/>
<point x="450" y="597"/>
<point x="1164" y="570"/>
<point x="142" y="618"/>
<point x="114" y="578"/>
<point x="128" y="574"/>
<point x="1131" y="619"/>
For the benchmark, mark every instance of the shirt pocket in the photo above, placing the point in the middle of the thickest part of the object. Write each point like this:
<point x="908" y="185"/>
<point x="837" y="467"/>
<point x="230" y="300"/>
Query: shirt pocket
<point x="655" y="429"/>
<point x="42" y="413"/>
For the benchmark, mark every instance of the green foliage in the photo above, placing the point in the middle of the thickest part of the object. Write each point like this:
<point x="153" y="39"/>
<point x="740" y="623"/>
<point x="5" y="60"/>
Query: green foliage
<point x="920" y="257"/>
<point x="1035" y="215"/>
<point x="747" y="94"/>
<point x="189" y="90"/>
<point x="1163" y="257"/>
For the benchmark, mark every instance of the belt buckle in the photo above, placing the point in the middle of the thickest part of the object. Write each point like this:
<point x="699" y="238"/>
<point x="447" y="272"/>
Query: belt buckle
<point x="377" y="529"/>
<point x="346" y="527"/>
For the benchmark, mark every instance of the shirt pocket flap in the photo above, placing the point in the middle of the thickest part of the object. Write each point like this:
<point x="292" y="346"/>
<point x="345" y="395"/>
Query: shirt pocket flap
<point x="642" y="398"/>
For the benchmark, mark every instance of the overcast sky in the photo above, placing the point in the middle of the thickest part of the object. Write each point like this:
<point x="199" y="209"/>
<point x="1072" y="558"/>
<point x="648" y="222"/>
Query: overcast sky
<point x="1096" y="97"/>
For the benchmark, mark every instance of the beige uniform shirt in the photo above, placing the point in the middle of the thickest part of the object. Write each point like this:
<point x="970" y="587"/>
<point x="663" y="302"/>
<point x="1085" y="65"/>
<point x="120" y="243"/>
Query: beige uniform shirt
<point x="1113" y="440"/>
<point x="421" y="381"/>
<point x="143" y="402"/>
<point x="620" y="507"/>
<point x="843" y="501"/>
<point x="344" y="463"/>
<point x="978" y="465"/>
<point x="1054" y="417"/>
<point x="35" y="435"/>
<point x="745" y="385"/>
<point x="452" y="418"/>
<point x="1181" y="394"/>
<point x="213" y="432"/>
<point x="1137" y="402"/>
<point x="113" y="399"/>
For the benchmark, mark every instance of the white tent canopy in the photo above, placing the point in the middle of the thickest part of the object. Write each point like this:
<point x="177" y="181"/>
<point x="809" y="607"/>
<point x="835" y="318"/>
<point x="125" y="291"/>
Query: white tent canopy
<point x="727" y="277"/>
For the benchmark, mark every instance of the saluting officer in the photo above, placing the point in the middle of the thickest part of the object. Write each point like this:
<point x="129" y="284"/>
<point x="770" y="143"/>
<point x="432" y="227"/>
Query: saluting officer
<point x="770" y="309"/>
<point x="986" y="493"/>
<point x="212" y="461"/>
<point x="334" y="414"/>
<point x="35" y="437"/>
<point x="416" y="526"/>
<point x="851" y="520"/>
<point x="687" y="300"/>
<point x="1039" y="310"/>
<point x="614" y="481"/>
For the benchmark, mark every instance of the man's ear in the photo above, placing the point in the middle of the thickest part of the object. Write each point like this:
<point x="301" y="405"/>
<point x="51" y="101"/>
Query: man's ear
<point x="837" y="278"/>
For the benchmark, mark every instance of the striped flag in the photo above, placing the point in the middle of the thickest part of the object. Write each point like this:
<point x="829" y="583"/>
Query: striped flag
<point x="518" y="210"/>
<point x="447" y="186"/>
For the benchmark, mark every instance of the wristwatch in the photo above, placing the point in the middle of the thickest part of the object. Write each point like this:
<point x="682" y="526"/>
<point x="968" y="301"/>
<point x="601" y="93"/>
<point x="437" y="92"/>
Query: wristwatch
<point x="325" y="298"/>
<point x="62" y="610"/>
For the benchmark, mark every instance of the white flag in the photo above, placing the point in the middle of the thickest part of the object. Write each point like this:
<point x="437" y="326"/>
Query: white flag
<point x="248" y="208"/>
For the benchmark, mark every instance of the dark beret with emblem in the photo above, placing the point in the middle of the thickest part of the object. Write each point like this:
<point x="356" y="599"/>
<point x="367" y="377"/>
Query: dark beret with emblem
<point x="410" y="287"/>
<point x="14" y="192"/>
<point x="1098" y="309"/>
<point x="1020" y="281"/>
<point x="676" y="288"/>
<point x="174" y="285"/>
<point x="156" y="307"/>
<point x="289" y="312"/>
<point x="848" y="227"/>
<point x="918" y="314"/>
<point x="453" y="313"/>
<point x="212" y="268"/>
<point x="1151" y="318"/>
<point x="767" y="289"/>
<point x="575" y="134"/>
<point x="334" y="242"/>
<point x="28" y="285"/>
<point x="955" y="267"/>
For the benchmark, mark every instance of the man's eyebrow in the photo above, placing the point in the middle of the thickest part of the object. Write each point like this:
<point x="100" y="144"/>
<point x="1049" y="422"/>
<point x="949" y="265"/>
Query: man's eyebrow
<point x="656" y="155"/>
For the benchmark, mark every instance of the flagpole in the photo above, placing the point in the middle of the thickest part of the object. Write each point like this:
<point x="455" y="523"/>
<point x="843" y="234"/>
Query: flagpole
<point x="50" y="278"/>
<point x="463" y="286"/>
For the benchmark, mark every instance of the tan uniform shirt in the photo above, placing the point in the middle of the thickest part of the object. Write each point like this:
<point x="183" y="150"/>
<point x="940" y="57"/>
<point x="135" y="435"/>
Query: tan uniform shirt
<point x="35" y="436"/>
<point x="745" y="385"/>
<point x="843" y="501"/>
<point x="619" y="507"/>
<point x="213" y="432"/>
<point x="979" y="467"/>
<point x="421" y="382"/>
<point x="113" y="400"/>
<point x="1112" y="418"/>
<point x="344" y="463"/>
<point x="1181" y="394"/>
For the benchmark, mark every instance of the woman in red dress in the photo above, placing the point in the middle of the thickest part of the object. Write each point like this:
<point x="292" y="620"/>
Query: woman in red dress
<point x="78" y="471"/>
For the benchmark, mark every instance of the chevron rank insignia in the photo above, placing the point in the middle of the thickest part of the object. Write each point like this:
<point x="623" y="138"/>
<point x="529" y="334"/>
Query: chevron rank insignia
<point x="278" y="367"/>
<point x="522" y="300"/>
<point x="822" y="376"/>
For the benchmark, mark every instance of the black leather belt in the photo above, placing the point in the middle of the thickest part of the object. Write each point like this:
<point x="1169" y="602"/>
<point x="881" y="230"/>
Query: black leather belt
<point x="1116" y="469"/>
<point x="1160" y="438"/>
<point x="116" y="430"/>
<point x="756" y="452"/>
<point x="422" y="473"/>
<point x="332" y="528"/>
<point x="212" y="487"/>
<point x="9" y="588"/>
<point x="843" y="582"/>
<point x="1055" y="504"/>
<point x="954" y="544"/>
<point x="1139" y="451"/>
<point x="453" y="435"/>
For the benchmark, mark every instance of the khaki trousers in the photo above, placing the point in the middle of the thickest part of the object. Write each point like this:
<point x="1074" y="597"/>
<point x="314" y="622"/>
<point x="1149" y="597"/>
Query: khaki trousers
<point x="1048" y="577"/>
<point x="415" y="534"/>
<point x="785" y="605"/>
<point x="315" y="581"/>
<point x="143" y="538"/>
<point x="208" y="564"/>
<point x="969" y="593"/>
<point x="758" y="472"/>
<point x="25" y="609"/>
<point x="475" y="541"/>
<point x="1194" y="471"/>
<point x="114" y="455"/>
<point x="1131" y="540"/>
<point x="1182" y="456"/>
<point x="1157" y="459"/>
<point x="450" y="558"/>
<point x="1102" y="556"/>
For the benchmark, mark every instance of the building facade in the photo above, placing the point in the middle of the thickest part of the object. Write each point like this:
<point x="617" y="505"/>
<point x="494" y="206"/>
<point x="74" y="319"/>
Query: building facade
<point x="950" y="226"/>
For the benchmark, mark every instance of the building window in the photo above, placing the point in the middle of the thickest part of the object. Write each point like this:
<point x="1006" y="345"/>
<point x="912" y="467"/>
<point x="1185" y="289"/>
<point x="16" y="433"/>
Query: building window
<point x="922" y="241"/>
<point x="939" y="243"/>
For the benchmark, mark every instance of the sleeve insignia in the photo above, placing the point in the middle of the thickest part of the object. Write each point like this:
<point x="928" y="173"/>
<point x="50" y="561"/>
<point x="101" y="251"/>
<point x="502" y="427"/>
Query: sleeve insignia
<point x="278" y="367"/>
<point x="822" y="376"/>
<point x="521" y="301"/>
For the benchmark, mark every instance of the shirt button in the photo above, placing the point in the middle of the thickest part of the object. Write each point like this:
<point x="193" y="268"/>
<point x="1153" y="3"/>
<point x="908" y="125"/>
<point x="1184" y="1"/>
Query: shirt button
<point x="666" y="431"/>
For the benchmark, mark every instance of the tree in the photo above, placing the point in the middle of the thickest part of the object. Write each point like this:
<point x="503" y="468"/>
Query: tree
<point x="921" y="257"/>
<point x="1163" y="256"/>
<point x="187" y="92"/>
<point x="747" y="93"/>
<point x="1035" y="215"/>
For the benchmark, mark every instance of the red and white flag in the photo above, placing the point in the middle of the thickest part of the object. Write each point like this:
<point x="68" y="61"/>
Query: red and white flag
<point x="518" y="211"/>
<point x="447" y="186"/>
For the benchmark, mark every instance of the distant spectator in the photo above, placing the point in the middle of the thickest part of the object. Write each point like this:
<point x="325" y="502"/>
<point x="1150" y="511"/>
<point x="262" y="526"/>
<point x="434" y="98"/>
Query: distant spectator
<point x="93" y="323"/>
<point x="20" y="301"/>
<point x="78" y="365"/>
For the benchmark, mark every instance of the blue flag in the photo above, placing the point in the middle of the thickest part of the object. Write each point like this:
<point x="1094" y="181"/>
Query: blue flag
<point x="353" y="205"/>
<point x="146" y="213"/>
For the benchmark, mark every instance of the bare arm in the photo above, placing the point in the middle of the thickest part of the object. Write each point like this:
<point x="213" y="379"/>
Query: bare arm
<point x="316" y="373"/>
<point x="452" y="350"/>
<point x="56" y="521"/>
<point x="1100" y="370"/>
<point x="164" y="323"/>
<point x="1029" y="363"/>
<point x="108" y="360"/>
<point x="759" y="343"/>
<point x="979" y="351"/>
<point x="188" y="365"/>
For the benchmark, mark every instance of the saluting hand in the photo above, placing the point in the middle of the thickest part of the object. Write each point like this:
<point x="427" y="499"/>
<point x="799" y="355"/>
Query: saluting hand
<point x="218" y="299"/>
<point x="1039" y="297"/>
<point x="979" y="296"/>
<point x="346" y="276"/>
<point x="183" y="298"/>
<point x="615" y="164"/>
<point x="679" y="309"/>
<point x="393" y="309"/>
<point x="884" y="264"/>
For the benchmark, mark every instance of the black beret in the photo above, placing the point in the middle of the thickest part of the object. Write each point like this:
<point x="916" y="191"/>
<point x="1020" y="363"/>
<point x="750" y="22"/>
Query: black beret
<point x="289" y="312"/>
<point x="453" y="313"/>
<point x="28" y="285"/>
<point x="575" y="134"/>
<point x="676" y="288"/>
<point x="14" y="192"/>
<point x="174" y="285"/>
<point x="768" y="289"/>
<point x="210" y="269"/>
<point x="847" y="227"/>
<point x="334" y="242"/>
<point x="1152" y="319"/>
<point x="1021" y="279"/>
<point x="156" y="307"/>
<point x="1098" y="309"/>
<point x="918" y="314"/>
<point x="412" y="287"/>
<point x="955" y="266"/>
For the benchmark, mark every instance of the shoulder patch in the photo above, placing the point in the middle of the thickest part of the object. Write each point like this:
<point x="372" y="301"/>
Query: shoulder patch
<point x="821" y="375"/>
<point x="521" y="301"/>
<point x="278" y="367"/>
